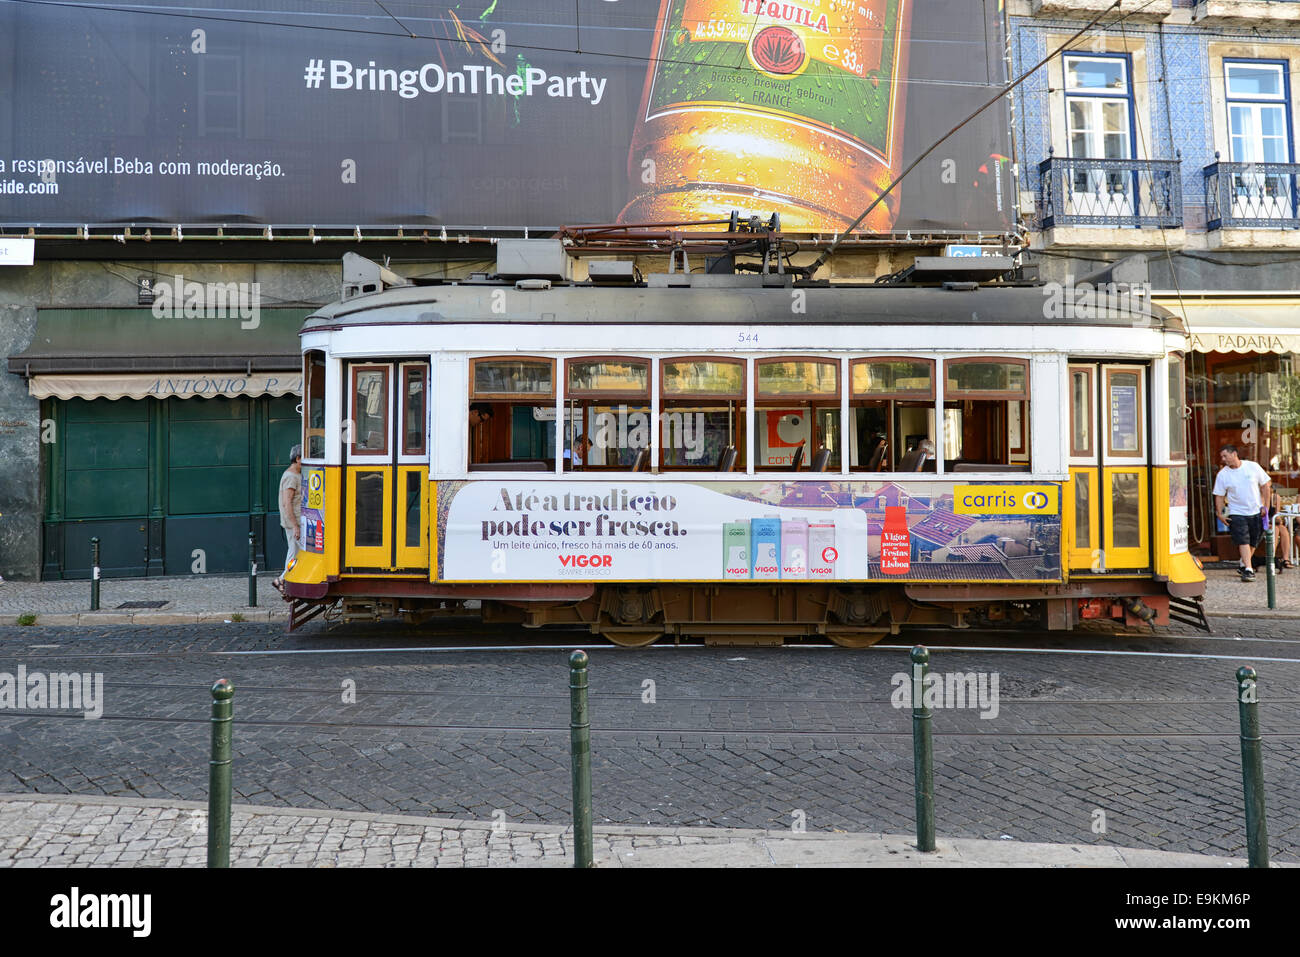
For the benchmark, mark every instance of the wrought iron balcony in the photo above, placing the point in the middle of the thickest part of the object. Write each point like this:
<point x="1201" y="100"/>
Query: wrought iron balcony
<point x="1137" y="194"/>
<point x="1251" y="195"/>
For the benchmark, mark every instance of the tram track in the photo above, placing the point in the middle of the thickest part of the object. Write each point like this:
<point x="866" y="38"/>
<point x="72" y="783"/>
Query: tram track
<point x="481" y="648"/>
<point x="634" y="696"/>
<point x="765" y="732"/>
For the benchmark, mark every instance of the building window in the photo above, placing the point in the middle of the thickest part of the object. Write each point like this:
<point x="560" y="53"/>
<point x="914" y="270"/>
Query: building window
<point x="1099" y="125"/>
<point x="220" y="75"/>
<point x="1259" y="131"/>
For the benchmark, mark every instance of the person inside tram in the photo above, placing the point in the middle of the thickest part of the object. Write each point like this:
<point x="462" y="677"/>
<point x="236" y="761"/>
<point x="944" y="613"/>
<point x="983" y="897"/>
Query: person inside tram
<point x="576" y="457"/>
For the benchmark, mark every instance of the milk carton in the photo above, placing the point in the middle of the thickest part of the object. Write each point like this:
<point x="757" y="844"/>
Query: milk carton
<point x="794" y="548"/>
<point x="735" y="550"/>
<point x="765" y="545"/>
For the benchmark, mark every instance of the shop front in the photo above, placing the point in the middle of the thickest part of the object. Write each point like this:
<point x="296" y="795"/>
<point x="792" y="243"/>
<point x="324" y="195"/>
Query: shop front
<point x="163" y="439"/>
<point x="1243" y="388"/>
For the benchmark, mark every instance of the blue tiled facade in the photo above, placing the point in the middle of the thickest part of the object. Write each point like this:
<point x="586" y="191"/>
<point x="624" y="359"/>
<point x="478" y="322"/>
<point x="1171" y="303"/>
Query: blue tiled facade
<point x="1178" y="122"/>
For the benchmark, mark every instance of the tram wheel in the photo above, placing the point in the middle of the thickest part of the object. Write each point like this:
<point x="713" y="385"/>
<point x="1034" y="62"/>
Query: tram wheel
<point x="632" y="637"/>
<point x="856" y="639"/>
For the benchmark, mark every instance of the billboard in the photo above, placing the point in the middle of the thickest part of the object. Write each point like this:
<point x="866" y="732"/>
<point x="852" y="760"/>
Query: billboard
<point x="828" y="530"/>
<point x="501" y="113"/>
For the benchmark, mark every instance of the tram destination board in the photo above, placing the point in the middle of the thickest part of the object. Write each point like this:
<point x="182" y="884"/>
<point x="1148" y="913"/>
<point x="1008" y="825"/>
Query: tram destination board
<point x="501" y="113"/>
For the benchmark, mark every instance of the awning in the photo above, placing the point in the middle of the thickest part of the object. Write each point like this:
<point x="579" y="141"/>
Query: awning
<point x="163" y="385"/>
<point x="1238" y="323"/>
<point x="133" y="341"/>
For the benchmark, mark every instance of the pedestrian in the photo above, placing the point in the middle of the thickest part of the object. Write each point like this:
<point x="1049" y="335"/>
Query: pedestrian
<point x="1241" y="494"/>
<point x="479" y="412"/>
<point x="290" y="499"/>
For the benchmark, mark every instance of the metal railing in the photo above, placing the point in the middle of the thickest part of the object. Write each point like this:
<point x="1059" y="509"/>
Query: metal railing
<point x="1252" y="195"/>
<point x="1139" y="194"/>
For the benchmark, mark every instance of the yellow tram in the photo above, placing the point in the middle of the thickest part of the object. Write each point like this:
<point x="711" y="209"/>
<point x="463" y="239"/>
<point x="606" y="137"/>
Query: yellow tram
<point x="739" y="458"/>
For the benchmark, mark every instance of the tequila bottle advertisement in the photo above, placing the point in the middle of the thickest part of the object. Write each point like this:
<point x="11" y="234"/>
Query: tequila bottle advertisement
<point x="501" y="113"/>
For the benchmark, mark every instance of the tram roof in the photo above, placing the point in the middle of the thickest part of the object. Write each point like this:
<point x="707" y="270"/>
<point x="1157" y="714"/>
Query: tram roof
<point x="747" y="301"/>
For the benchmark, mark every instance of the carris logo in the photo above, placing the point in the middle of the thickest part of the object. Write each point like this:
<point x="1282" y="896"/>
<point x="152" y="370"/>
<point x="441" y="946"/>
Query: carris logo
<point x="586" y="561"/>
<point x="1036" y="500"/>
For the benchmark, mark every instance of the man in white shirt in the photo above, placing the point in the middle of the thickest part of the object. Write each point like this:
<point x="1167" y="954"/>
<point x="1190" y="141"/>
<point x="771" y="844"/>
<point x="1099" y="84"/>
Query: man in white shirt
<point x="290" y="498"/>
<point x="1241" y="496"/>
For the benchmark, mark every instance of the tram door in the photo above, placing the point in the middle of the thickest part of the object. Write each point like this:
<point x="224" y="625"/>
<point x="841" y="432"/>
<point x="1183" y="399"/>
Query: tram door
<point x="1109" y="458"/>
<point x="386" y="451"/>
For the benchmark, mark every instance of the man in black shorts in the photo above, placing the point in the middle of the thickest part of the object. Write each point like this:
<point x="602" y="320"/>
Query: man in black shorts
<point x="1241" y="490"/>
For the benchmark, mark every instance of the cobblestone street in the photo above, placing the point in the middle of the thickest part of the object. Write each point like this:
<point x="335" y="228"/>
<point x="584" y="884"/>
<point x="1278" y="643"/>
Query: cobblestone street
<point x="746" y="737"/>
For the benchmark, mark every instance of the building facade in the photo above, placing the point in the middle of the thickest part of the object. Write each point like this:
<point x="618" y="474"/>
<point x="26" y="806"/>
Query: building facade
<point x="240" y="149"/>
<point x="1167" y="131"/>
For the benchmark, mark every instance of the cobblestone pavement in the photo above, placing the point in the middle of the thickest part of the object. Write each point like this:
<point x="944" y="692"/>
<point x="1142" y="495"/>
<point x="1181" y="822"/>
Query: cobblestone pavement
<point x="1226" y="594"/>
<point x="213" y="598"/>
<point x="722" y="737"/>
<point x="217" y="598"/>
<point x="134" y="833"/>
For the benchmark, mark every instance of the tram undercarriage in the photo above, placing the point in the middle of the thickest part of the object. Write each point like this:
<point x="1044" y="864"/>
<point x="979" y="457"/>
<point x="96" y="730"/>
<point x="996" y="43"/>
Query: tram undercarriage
<point x="853" y="616"/>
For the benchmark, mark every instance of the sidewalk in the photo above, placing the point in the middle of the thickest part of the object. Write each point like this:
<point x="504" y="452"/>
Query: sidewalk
<point x="218" y="598"/>
<point x="39" y="830"/>
<point x="185" y="599"/>
<point x="1227" y="595"/>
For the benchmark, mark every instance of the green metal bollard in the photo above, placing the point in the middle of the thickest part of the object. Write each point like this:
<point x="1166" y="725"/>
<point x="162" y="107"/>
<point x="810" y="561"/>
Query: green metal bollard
<point x="219" y="775"/>
<point x="1252" y="767"/>
<point x="580" y="744"/>
<point x="94" y="574"/>
<point x="1270" y="566"/>
<point x="252" y="571"/>
<point x="922" y="751"/>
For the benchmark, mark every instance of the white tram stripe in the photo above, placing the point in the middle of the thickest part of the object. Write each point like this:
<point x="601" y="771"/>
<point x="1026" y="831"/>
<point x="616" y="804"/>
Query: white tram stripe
<point x="1116" y="654"/>
<point x="572" y="647"/>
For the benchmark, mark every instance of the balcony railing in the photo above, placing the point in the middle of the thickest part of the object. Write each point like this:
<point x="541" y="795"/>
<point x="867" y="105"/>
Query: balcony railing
<point x="1138" y="194"/>
<point x="1251" y="195"/>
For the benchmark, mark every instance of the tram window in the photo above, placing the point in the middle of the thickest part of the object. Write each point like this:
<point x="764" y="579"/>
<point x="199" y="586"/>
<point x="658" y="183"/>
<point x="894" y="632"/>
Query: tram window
<point x="702" y="413"/>
<point x="313" y="413"/>
<point x="1126" y="509"/>
<point x="892" y="405"/>
<point x="1081" y="412"/>
<point x="798" y="412"/>
<point x="1124" y="402"/>
<point x="1082" y="510"/>
<point x="369" y="410"/>
<point x="1177" y="401"/>
<point x="512" y="411"/>
<point x="413" y="409"/>
<point x="992" y="399"/>
<point x="607" y="411"/>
